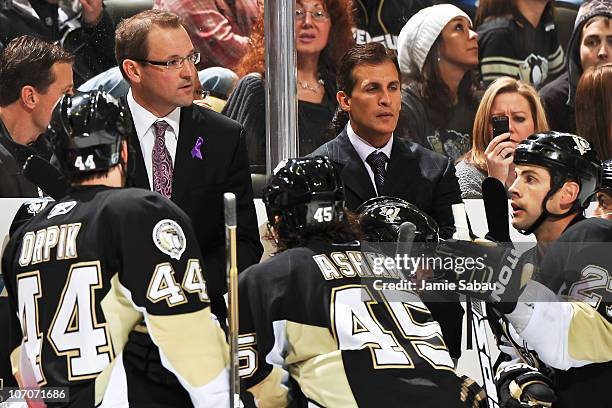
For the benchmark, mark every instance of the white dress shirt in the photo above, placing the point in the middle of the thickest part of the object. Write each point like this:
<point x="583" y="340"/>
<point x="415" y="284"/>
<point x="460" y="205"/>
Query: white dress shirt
<point x="143" y="123"/>
<point x="364" y="149"/>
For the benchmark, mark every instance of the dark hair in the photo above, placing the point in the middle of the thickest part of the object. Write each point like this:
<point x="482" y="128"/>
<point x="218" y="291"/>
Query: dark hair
<point x="28" y="61"/>
<point x="132" y="33"/>
<point x="430" y="86"/>
<point x="364" y="54"/>
<point x="490" y="9"/>
<point x="593" y="101"/>
<point x="346" y="230"/>
<point x="340" y="39"/>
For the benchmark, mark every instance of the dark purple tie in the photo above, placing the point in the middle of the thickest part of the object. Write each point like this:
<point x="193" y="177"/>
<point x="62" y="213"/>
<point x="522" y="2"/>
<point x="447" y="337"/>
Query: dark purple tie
<point x="162" y="162"/>
<point x="377" y="162"/>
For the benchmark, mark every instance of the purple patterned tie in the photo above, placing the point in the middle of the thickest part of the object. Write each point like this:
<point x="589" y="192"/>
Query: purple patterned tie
<point x="162" y="162"/>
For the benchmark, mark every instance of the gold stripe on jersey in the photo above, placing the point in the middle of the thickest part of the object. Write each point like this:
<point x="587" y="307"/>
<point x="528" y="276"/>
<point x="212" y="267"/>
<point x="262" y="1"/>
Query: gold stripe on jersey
<point x="315" y="362"/>
<point x="120" y="315"/>
<point x="556" y="61"/>
<point x="269" y="393"/>
<point x="496" y="70"/>
<point x="101" y="383"/>
<point x="590" y="334"/>
<point x="199" y="354"/>
<point x="15" y="357"/>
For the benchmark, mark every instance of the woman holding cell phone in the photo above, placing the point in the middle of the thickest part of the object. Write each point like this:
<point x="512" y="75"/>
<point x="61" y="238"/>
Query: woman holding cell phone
<point x="510" y="111"/>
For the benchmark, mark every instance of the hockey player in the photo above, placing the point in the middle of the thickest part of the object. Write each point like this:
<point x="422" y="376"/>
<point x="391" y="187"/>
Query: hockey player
<point x="604" y="194"/>
<point x="561" y="325"/>
<point x="311" y="316"/>
<point x="93" y="266"/>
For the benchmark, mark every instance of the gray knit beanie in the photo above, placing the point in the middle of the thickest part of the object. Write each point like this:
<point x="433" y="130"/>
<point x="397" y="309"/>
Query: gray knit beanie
<point x="419" y="34"/>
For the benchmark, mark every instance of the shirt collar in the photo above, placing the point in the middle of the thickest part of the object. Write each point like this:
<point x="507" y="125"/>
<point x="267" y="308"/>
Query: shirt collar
<point x="363" y="148"/>
<point x="143" y="119"/>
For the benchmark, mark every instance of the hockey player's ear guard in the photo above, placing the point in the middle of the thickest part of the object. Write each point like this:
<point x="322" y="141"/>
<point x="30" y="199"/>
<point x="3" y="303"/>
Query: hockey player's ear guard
<point x="381" y="217"/>
<point x="567" y="157"/>
<point x="87" y="130"/>
<point x="303" y="192"/>
<point x="606" y="175"/>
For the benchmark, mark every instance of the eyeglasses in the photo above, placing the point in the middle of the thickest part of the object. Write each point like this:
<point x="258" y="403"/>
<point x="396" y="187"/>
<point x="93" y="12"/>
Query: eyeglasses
<point x="174" y="63"/>
<point x="316" y="15"/>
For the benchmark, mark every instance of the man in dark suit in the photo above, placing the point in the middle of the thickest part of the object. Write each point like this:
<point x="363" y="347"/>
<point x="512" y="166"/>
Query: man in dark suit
<point x="189" y="154"/>
<point x="34" y="75"/>
<point x="371" y="160"/>
<point x="374" y="163"/>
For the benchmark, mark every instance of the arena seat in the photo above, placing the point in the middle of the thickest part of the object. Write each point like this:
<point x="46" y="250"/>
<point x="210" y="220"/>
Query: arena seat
<point x="565" y="16"/>
<point x="119" y="9"/>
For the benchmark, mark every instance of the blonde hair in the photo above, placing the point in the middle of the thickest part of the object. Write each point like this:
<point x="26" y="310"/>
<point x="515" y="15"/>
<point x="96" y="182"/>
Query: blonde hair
<point x="480" y="132"/>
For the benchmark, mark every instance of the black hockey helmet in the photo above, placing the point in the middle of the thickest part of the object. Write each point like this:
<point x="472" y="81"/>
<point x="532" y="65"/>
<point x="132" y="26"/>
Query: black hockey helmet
<point x="87" y="130"/>
<point x="606" y="175"/>
<point x="381" y="217"/>
<point x="566" y="156"/>
<point x="304" y="191"/>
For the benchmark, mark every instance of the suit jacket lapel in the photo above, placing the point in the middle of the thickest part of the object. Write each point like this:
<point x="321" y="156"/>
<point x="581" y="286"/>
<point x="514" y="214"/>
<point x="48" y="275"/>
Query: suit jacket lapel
<point x="402" y="171"/>
<point x="184" y="164"/>
<point x="354" y="174"/>
<point x="140" y="178"/>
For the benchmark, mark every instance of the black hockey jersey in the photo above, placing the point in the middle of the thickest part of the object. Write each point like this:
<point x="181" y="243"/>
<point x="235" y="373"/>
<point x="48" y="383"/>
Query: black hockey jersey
<point x="513" y="47"/>
<point x="570" y="323"/>
<point x="84" y="272"/>
<point x="319" y="314"/>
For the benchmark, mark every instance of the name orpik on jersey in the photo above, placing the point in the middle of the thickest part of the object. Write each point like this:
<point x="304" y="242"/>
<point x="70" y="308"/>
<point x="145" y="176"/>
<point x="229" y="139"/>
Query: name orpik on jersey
<point x="36" y="246"/>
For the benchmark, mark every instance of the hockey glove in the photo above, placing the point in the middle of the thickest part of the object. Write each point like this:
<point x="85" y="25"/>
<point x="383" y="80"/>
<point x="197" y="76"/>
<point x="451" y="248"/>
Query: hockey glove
<point x="143" y="355"/>
<point x="472" y="394"/>
<point x="484" y="270"/>
<point x="522" y="386"/>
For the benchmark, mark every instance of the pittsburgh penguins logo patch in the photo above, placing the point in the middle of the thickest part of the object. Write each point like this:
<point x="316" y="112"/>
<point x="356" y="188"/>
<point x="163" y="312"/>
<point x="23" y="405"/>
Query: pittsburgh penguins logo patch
<point x="37" y="205"/>
<point x="169" y="238"/>
<point x="534" y="69"/>
<point x="582" y="145"/>
<point x="390" y="213"/>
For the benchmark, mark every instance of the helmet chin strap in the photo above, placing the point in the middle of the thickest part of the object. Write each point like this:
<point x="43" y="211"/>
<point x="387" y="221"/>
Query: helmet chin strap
<point x="545" y="215"/>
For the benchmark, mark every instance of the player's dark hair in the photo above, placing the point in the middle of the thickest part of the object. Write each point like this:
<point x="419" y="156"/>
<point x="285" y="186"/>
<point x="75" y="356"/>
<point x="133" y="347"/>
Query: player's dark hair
<point x="363" y="54"/>
<point x="286" y="237"/>
<point x="28" y="61"/>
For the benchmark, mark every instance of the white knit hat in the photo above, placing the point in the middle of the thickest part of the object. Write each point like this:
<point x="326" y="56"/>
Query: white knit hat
<point x="420" y="32"/>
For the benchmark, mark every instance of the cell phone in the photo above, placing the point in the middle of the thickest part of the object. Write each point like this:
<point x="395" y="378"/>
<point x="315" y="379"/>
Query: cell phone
<point x="500" y="125"/>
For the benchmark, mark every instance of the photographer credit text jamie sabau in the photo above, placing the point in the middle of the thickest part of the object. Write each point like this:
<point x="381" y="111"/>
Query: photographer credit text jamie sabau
<point x="410" y="264"/>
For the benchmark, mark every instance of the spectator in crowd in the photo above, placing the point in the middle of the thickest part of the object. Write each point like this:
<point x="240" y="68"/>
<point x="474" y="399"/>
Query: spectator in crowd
<point x="82" y="27"/>
<point x="323" y="35"/>
<point x="589" y="46"/>
<point x="372" y="162"/>
<point x="381" y="21"/>
<point x="594" y="109"/>
<point x="493" y="156"/>
<point x="190" y="154"/>
<point x="437" y="52"/>
<point x="34" y="74"/>
<point x="219" y="29"/>
<point x="518" y="38"/>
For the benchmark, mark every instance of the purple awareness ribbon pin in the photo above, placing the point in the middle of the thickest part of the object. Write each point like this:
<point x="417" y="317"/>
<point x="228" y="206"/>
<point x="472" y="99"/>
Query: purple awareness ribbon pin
<point x="195" y="152"/>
